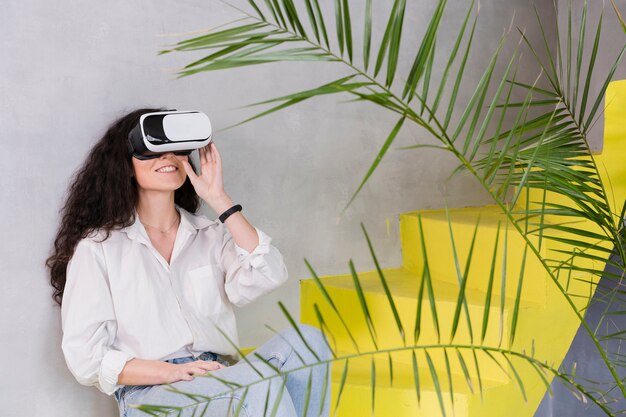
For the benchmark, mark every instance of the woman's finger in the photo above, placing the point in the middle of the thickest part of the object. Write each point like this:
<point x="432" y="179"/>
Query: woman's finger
<point x="209" y="152"/>
<point x="209" y="365"/>
<point x="202" y="153"/>
<point x="217" y="157"/>
<point x="217" y="167"/>
<point x="190" y="173"/>
<point x="186" y="375"/>
<point x="201" y="371"/>
<point x="216" y="154"/>
<point x="194" y="370"/>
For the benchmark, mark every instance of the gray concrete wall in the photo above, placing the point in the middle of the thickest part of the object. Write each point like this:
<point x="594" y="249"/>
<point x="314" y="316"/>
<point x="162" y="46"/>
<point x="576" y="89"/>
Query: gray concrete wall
<point x="68" y="68"/>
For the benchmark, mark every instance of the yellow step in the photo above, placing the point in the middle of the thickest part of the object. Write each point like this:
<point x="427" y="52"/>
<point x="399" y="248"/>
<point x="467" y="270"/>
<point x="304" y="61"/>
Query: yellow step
<point x="395" y="397"/>
<point x="440" y="253"/>
<point x="395" y="393"/>
<point x="394" y="402"/>
<point x="405" y="286"/>
<point x="611" y="161"/>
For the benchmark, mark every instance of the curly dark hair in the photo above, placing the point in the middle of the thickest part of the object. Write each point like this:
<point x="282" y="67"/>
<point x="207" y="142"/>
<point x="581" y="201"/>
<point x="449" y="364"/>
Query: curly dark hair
<point x="103" y="196"/>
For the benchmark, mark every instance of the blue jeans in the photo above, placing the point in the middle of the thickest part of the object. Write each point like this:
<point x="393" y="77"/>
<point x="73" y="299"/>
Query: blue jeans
<point x="286" y="394"/>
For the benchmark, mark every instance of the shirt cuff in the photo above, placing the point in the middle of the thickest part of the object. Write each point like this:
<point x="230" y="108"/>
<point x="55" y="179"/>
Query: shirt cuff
<point x="112" y="364"/>
<point x="256" y="258"/>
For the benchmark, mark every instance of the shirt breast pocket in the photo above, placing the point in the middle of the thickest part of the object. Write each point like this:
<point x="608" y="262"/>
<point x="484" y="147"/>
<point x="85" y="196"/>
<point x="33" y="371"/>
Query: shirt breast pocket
<point x="204" y="288"/>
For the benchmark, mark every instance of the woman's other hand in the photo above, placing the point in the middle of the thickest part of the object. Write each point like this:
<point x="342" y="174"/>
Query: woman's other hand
<point x="209" y="185"/>
<point x="152" y="372"/>
<point x="187" y="371"/>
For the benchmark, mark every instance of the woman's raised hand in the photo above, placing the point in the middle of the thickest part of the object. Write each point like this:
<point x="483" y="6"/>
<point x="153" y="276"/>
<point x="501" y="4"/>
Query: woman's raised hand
<point x="209" y="185"/>
<point x="187" y="371"/>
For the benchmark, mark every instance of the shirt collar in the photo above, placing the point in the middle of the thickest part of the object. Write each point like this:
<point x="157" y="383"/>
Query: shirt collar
<point x="188" y="222"/>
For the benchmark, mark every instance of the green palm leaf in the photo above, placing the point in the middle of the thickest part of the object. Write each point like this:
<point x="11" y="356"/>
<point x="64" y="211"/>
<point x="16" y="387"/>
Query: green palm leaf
<point x="367" y="34"/>
<point x="466" y="373"/>
<point x="489" y="292"/>
<point x="339" y="23"/>
<point x="292" y="15"/>
<point x="373" y="383"/>
<point x="383" y="281"/>
<point x="619" y="15"/>
<point x="342" y="383"/>
<point x="424" y="52"/>
<point x="313" y="19"/>
<point x="416" y="376"/>
<point x="379" y="157"/>
<point x="363" y="304"/>
<point x="462" y="279"/>
<point x="435" y="378"/>
<point x="347" y="27"/>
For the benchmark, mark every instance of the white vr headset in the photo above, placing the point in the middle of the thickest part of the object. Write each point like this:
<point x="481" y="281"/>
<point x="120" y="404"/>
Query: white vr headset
<point x="180" y="132"/>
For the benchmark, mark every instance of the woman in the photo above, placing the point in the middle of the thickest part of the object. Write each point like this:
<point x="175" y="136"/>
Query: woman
<point x="147" y="289"/>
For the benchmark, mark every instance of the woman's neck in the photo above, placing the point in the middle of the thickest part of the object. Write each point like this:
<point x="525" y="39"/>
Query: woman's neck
<point x="156" y="208"/>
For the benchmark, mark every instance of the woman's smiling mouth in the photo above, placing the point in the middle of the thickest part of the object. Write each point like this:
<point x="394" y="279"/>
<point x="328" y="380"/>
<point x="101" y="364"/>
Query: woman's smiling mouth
<point x="167" y="168"/>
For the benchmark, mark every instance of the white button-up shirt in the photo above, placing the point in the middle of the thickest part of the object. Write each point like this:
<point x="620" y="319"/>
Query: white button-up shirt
<point x="122" y="300"/>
